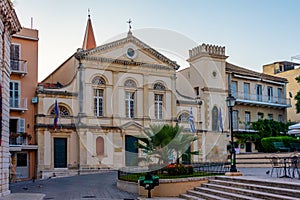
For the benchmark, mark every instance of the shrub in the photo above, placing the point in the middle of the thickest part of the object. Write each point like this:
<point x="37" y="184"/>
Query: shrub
<point x="268" y="145"/>
<point x="179" y="169"/>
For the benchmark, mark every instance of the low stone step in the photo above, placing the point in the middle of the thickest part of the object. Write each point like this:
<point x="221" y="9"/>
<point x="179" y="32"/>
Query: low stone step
<point x="190" y="197"/>
<point x="204" y="195"/>
<point x="266" y="182"/>
<point x="262" y="188"/>
<point x="250" y="193"/>
<point x="224" y="194"/>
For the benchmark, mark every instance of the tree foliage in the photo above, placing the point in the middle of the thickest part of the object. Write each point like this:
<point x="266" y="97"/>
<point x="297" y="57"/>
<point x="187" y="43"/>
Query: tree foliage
<point x="161" y="141"/>
<point x="264" y="128"/>
<point x="297" y="97"/>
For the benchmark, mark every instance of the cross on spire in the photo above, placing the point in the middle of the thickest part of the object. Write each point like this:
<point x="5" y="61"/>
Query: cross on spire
<point x="89" y="13"/>
<point x="129" y="23"/>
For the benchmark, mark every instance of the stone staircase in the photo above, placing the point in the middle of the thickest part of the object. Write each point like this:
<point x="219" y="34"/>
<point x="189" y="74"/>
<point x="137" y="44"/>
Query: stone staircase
<point x="225" y="187"/>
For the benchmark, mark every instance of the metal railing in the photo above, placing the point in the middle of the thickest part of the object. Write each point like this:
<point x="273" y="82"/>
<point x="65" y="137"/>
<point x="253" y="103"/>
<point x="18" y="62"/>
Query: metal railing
<point x="202" y="169"/>
<point x="18" y="66"/>
<point x="18" y="103"/>
<point x="18" y="140"/>
<point x="250" y="97"/>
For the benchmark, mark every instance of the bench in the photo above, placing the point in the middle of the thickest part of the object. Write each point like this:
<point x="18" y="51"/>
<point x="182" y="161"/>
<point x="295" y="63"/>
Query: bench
<point x="295" y="146"/>
<point x="279" y="146"/>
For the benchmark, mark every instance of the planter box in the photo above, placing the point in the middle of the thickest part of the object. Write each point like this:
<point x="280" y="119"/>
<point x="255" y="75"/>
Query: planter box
<point x="166" y="188"/>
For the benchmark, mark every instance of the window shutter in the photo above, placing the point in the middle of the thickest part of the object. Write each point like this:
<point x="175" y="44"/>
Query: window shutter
<point x="21" y="125"/>
<point x="15" y="52"/>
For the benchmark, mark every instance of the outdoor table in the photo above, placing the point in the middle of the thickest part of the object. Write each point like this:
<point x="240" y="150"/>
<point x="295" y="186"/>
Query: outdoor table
<point x="284" y="168"/>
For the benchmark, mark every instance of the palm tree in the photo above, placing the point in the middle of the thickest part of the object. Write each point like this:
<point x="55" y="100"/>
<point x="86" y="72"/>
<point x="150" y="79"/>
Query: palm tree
<point x="161" y="141"/>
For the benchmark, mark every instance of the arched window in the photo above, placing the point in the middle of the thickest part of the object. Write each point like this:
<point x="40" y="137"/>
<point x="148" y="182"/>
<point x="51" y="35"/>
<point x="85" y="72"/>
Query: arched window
<point x="98" y="81"/>
<point x="130" y="84"/>
<point x="215" y="126"/>
<point x="100" y="146"/>
<point x="63" y="111"/>
<point x="98" y="97"/>
<point x="159" y="86"/>
<point x="184" y="117"/>
<point x="158" y="100"/>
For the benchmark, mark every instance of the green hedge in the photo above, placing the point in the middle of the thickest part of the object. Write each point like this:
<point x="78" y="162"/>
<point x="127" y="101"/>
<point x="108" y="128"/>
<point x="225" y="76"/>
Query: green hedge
<point x="268" y="145"/>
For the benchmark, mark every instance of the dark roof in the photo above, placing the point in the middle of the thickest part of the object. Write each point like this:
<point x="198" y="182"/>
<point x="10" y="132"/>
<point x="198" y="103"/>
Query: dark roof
<point x="246" y="72"/>
<point x="52" y="85"/>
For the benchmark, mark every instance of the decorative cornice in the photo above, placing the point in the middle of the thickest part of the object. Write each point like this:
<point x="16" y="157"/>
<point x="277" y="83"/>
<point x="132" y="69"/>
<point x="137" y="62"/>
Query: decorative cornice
<point x="207" y="89"/>
<point x="139" y="43"/>
<point x="126" y="62"/>
<point x="55" y="92"/>
<point x="9" y="16"/>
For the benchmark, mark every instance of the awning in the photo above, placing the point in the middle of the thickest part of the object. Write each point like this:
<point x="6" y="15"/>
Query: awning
<point x="295" y="126"/>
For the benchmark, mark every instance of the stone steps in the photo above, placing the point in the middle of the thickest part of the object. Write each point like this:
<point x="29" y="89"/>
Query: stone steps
<point x="224" y="187"/>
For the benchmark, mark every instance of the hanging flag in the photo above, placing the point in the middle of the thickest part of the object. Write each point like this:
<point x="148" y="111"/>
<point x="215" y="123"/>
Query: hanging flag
<point x="56" y="114"/>
<point x="191" y="119"/>
<point x="220" y="120"/>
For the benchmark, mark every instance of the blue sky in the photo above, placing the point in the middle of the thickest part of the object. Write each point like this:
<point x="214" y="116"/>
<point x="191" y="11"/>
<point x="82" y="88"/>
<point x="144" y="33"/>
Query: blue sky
<point x="255" y="32"/>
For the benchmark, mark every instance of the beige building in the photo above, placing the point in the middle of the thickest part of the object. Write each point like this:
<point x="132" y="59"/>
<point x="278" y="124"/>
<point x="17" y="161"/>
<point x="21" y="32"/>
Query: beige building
<point x="9" y="24"/>
<point x="22" y="96"/>
<point x="257" y="95"/>
<point x="288" y="70"/>
<point x="106" y="96"/>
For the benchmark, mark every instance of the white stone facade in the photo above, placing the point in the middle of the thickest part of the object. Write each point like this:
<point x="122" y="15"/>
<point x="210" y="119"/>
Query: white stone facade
<point x="9" y="25"/>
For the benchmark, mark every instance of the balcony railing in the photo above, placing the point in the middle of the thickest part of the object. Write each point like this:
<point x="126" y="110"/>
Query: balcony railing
<point x="18" y="104"/>
<point x="263" y="100"/>
<point x="19" y="140"/>
<point x="18" y="66"/>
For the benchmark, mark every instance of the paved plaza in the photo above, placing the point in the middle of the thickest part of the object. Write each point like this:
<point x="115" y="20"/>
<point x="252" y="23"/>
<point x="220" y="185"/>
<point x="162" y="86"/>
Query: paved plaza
<point x="100" y="186"/>
<point x="91" y="186"/>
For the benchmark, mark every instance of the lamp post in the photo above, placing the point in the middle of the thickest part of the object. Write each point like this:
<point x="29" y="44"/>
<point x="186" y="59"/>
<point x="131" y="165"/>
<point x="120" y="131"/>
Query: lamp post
<point x="230" y="101"/>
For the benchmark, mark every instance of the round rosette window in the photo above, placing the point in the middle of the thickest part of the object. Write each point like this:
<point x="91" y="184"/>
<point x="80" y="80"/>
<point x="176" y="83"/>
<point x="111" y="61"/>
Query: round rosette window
<point x="131" y="52"/>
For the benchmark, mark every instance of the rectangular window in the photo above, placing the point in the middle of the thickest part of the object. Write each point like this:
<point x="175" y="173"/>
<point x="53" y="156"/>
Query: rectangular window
<point x="270" y="94"/>
<point x="234" y="89"/>
<point x="280" y="119"/>
<point x="260" y="116"/>
<point x="279" y="95"/>
<point x="270" y="116"/>
<point x="98" y="102"/>
<point x="22" y="160"/>
<point x="258" y="92"/>
<point x="158" y="106"/>
<point x="196" y="89"/>
<point x="247" y="120"/>
<point x="15" y="56"/>
<point x="14" y="94"/>
<point x="246" y="91"/>
<point x="129" y="104"/>
<point x="235" y="122"/>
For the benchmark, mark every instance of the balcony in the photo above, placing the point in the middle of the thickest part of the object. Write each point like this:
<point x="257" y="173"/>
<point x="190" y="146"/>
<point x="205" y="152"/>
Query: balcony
<point x="18" y="67"/>
<point x="261" y="100"/>
<point x="19" y="104"/>
<point x="17" y="140"/>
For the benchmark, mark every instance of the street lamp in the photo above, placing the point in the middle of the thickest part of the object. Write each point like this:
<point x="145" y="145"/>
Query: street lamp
<point x="230" y="101"/>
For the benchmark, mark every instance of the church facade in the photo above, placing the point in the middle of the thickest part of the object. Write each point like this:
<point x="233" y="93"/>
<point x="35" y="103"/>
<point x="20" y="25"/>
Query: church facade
<point x="107" y="95"/>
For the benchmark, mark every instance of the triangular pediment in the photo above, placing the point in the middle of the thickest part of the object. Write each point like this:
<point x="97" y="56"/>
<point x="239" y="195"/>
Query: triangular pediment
<point x="132" y="126"/>
<point x="130" y="50"/>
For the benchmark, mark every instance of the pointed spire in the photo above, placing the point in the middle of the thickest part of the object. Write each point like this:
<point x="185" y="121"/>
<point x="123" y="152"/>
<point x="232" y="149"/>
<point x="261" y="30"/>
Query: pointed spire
<point x="89" y="41"/>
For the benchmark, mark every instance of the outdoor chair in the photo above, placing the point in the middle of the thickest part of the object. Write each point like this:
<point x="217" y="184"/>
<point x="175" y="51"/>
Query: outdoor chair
<point x="295" y="146"/>
<point x="277" y="165"/>
<point x="294" y="165"/>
